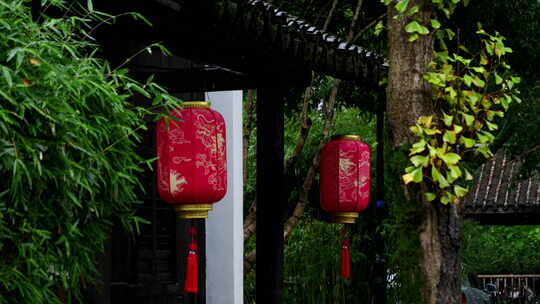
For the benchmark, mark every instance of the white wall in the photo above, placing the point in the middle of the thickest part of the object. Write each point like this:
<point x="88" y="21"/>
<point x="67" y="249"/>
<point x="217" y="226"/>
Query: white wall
<point x="224" y="226"/>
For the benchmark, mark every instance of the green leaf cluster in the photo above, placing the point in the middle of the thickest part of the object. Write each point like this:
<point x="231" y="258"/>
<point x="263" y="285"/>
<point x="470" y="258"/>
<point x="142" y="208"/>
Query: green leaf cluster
<point x="415" y="26"/>
<point x="68" y="133"/>
<point x="470" y="93"/>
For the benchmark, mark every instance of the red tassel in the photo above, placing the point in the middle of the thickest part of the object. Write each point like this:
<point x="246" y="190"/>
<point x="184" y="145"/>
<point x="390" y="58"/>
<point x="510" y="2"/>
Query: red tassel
<point x="191" y="283"/>
<point x="345" y="259"/>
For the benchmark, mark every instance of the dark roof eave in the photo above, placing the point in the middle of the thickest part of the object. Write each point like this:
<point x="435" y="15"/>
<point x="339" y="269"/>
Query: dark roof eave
<point x="273" y="32"/>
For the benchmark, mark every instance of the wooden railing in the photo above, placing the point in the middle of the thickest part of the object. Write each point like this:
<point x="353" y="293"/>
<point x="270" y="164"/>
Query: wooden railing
<point x="511" y="288"/>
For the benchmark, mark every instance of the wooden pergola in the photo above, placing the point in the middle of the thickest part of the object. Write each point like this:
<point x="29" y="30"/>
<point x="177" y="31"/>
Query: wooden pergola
<point x="224" y="45"/>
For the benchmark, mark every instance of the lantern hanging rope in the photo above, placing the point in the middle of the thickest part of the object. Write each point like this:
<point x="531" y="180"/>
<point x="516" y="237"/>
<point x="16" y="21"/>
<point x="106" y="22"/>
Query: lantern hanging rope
<point x="345" y="185"/>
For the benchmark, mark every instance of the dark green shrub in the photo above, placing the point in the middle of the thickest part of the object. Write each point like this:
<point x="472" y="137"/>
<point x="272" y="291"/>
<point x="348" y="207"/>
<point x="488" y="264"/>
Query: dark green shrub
<point x="67" y="163"/>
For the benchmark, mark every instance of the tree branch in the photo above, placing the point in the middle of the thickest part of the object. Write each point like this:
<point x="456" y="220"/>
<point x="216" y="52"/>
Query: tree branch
<point x="367" y="27"/>
<point x="330" y="15"/>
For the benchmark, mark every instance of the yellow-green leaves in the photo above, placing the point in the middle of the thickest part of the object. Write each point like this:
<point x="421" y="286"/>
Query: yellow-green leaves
<point x="438" y="177"/>
<point x="435" y="24"/>
<point x="460" y="191"/>
<point x="450" y="158"/>
<point x="401" y="6"/>
<point x="413" y="176"/>
<point x="430" y="196"/>
<point x="415" y="27"/>
<point x="470" y="92"/>
<point x="447" y="119"/>
<point x="418" y="147"/>
<point x="420" y="161"/>
<point x="467" y="142"/>
<point x="449" y="137"/>
<point x="454" y="173"/>
<point x="469" y="119"/>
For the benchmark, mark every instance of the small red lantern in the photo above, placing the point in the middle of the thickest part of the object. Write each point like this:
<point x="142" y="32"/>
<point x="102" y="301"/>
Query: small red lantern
<point x="345" y="164"/>
<point x="192" y="168"/>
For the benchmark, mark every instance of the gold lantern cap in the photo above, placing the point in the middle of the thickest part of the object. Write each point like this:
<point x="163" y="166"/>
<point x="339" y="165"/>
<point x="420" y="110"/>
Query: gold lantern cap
<point x="344" y="217"/>
<point x="196" y="104"/>
<point x="346" y="136"/>
<point x="192" y="211"/>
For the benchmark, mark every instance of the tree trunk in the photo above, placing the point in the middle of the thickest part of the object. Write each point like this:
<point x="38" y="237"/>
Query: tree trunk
<point x="409" y="97"/>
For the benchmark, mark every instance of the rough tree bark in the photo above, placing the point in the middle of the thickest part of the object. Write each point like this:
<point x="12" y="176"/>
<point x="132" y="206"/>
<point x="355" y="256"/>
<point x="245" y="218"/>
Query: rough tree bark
<point x="409" y="97"/>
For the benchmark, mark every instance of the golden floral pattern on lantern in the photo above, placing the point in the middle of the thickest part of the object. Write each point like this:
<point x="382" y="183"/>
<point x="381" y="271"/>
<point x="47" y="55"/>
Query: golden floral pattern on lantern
<point x="180" y="159"/>
<point x="348" y="182"/>
<point x="176" y="181"/>
<point x="221" y="147"/>
<point x="205" y="129"/>
<point x="364" y="159"/>
<point x="178" y="137"/>
<point x="205" y="163"/>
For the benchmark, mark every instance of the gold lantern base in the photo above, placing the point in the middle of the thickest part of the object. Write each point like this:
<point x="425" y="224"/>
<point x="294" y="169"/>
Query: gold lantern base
<point x="196" y="104"/>
<point x="346" y="136"/>
<point x="344" y="217"/>
<point x="192" y="211"/>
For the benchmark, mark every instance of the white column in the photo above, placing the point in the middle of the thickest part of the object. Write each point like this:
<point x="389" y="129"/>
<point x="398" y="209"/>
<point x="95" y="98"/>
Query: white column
<point x="224" y="226"/>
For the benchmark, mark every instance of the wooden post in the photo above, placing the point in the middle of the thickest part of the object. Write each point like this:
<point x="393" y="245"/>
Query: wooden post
<point x="380" y="210"/>
<point x="270" y="200"/>
<point x="36" y="10"/>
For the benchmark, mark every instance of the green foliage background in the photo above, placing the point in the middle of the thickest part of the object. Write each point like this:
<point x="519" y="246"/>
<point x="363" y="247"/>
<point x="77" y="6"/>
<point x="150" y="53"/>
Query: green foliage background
<point x="68" y="166"/>
<point x="501" y="249"/>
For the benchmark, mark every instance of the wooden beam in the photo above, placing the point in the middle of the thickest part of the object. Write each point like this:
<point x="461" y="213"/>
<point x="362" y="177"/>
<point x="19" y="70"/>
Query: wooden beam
<point x="270" y="198"/>
<point x="216" y="79"/>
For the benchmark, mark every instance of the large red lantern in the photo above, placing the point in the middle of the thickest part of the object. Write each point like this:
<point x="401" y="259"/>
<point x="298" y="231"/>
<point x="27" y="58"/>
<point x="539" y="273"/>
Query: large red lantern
<point x="345" y="165"/>
<point x="192" y="168"/>
<point x="192" y="161"/>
